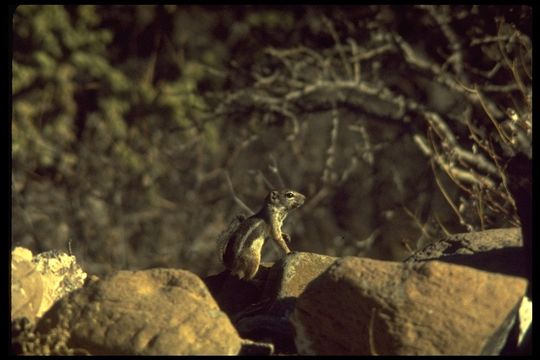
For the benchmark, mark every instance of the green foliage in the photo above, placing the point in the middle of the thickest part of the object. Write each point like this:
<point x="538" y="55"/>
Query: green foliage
<point x="93" y="131"/>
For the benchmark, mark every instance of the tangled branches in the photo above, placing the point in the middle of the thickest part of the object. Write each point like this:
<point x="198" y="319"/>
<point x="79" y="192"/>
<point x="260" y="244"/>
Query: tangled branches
<point x="461" y="91"/>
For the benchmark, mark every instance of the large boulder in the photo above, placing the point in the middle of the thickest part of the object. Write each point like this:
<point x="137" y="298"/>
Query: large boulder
<point x="289" y="277"/>
<point x="367" y="307"/>
<point x="151" y="312"/>
<point x="497" y="250"/>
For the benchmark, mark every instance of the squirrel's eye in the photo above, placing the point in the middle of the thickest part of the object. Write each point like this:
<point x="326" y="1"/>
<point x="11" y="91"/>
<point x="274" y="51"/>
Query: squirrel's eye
<point x="289" y="195"/>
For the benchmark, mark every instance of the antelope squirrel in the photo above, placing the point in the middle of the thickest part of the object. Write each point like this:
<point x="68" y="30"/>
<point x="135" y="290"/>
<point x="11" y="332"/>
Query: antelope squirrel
<point x="242" y="253"/>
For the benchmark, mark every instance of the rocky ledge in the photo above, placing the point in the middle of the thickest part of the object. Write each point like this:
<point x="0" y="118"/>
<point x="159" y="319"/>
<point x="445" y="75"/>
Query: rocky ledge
<point x="456" y="296"/>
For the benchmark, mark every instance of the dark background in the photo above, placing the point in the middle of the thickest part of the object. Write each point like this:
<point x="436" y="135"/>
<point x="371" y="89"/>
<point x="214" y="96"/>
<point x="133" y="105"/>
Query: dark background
<point x="396" y="122"/>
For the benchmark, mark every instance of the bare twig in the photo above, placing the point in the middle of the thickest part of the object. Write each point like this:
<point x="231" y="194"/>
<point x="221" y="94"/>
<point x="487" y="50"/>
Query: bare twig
<point x="489" y="39"/>
<point x="328" y="175"/>
<point x="510" y="64"/>
<point x="444" y="229"/>
<point x="366" y="54"/>
<point x="438" y="75"/>
<point x="416" y="221"/>
<point x="367" y="152"/>
<point x="316" y="80"/>
<point x="453" y="171"/>
<point x="69" y="246"/>
<point x="480" y="208"/>
<point x="267" y="182"/>
<point x="448" y="198"/>
<point x="316" y="199"/>
<point x="372" y="348"/>
<point x="407" y="246"/>
<point x="500" y="130"/>
<point x="236" y="198"/>
<point x="441" y="15"/>
<point x="356" y="64"/>
<point x="332" y="30"/>
<point x="275" y="170"/>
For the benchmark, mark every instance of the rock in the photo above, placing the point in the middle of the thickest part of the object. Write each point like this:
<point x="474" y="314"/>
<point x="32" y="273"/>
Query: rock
<point x="268" y="319"/>
<point x="496" y="250"/>
<point x="151" y="312"/>
<point x="525" y="318"/>
<point x="366" y="307"/>
<point x="60" y="275"/>
<point x="26" y="285"/>
<point x="469" y="243"/>
<point x="234" y="295"/>
<point x="289" y="277"/>
<point x="253" y="348"/>
<point x="20" y="253"/>
<point x="519" y="341"/>
<point x="26" y="341"/>
<point x="39" y="281"/>
<point x="260" y="309"/>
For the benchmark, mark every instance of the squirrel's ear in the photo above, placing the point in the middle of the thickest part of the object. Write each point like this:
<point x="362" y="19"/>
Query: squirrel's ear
<point x="273" y="195"/>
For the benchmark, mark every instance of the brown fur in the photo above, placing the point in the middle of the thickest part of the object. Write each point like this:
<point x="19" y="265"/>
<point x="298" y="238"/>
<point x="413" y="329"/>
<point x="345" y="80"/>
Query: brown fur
<point x="242" y="254"/>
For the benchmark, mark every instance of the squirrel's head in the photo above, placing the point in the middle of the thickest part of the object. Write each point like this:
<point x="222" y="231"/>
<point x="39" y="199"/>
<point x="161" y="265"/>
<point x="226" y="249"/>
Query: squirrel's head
<point x="285" y="199"/>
